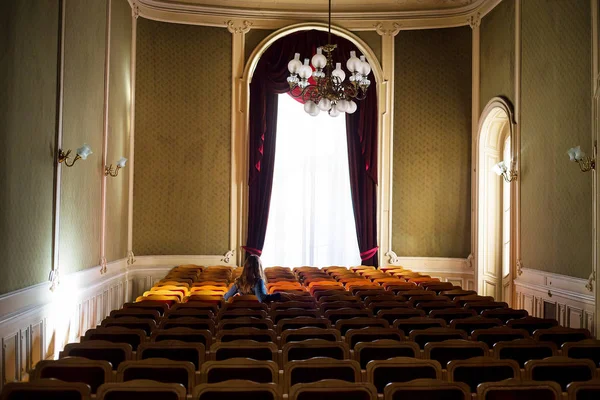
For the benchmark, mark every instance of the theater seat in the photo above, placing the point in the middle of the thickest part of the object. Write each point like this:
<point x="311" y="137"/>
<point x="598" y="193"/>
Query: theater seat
<point x="516" y="389"/>
<point x="316" y="369"/>
<point x="114" y="353"/>
<point x="562" y="370"/>
<point x="427" y="389"/>
<point x="75" y="369"/>
<point x="482" y="369"/>
<point x="141" y="390"/>
<point x="236" y="390"/>
<point x="46" y="389"/>
<point x="401" y="369"/>
<point x="160" y="370"/>
<point x="383" y="349"/>
<point x="260" y="371"/>
<point x="332" y="389"/>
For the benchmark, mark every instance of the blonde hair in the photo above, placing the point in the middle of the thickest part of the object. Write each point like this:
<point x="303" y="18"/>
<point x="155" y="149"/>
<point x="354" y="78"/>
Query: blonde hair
<point x="251" y="273"/>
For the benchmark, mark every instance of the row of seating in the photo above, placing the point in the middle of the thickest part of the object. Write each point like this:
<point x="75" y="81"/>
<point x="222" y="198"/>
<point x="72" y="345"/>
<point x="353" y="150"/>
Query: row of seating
<point x="393" y="326"/>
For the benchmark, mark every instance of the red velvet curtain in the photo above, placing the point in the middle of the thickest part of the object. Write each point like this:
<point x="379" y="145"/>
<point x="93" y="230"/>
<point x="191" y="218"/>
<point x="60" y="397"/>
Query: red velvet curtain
<point x="269" y="80"/>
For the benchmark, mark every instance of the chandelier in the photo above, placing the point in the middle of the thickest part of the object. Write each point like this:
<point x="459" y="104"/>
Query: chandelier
<point x="330" y="91"/>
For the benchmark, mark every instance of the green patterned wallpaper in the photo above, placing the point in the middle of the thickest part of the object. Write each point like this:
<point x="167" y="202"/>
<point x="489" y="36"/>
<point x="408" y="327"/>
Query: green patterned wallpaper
<point x="28" y="77"/>
<point x="182" y="139"/>
<point x="497" y="49"/>
<point x="81" y="201"/>
<point x="117" y="189"/>
<point x="556" y="198"/>
<point x="432" y="143"/>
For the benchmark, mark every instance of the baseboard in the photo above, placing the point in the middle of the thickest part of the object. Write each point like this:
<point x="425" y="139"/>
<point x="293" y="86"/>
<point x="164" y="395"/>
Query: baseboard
<point x="456" y="270"/>
<point x="544" y="294"/>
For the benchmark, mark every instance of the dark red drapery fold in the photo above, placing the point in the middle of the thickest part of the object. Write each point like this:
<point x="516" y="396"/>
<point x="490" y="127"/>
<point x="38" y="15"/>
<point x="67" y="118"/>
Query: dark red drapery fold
<point x="269" y="80"/>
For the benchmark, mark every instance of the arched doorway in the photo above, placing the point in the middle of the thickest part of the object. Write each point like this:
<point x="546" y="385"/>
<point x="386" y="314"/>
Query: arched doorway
<point x="494" y="202"/>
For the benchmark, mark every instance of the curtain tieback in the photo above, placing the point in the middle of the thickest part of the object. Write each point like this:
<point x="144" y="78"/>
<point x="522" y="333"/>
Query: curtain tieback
<point x="365" y="255"/>
<point x="252" y="250"/>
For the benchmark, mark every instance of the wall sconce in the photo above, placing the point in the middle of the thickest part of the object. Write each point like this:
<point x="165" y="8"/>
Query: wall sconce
<point x="82" y="153"/>
<point x="114" y="172"/>
<point x="585" y="163"/>
<point x="502" y="170"/>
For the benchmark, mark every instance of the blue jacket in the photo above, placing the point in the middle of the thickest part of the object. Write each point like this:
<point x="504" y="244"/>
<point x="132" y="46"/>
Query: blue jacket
<point x="260" y="291"/>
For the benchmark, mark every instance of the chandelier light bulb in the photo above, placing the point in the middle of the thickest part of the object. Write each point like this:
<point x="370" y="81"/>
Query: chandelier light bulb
<point x="351" y="107"/>
<point x="353" y="63"/>
<point x="339" y="72"/>
<point x="295" y="64"/>
<point x="310" y="107"/>
<point x="305" y="70"/>
<point x="324" y="104"/>
<point x="342" y="105"/>
<point x="318" y="60"/>
<point x="365" y="68"/>
<point x="334" y="112"/>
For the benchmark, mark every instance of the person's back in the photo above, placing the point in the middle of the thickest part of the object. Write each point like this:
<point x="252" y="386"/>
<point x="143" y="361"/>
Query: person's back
<point x="251" y="281"/>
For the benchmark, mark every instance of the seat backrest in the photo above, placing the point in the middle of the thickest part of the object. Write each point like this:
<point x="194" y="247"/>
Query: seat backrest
<point x="278" y="315"/>
<point x="137" y="313"/>
<point x="306" y="349"/>
<point x="376" y="306"/>
<point x="141" y="389"/>
<point x="260" y="335"/>
<point x="409" y="324"/>
<point x="114" y="353"/>
<point x="450" y="314"/>
<point x="531" y="324"/>
<point x="75" y="369"/>
<point x="117" y="334"/>
<point x="383" y="349"/>
<point x="393" y="314"/>
<point x="190" y="312"/>
<point x="284" y="305"/>
<point x="146" y="324"/>
<point x="560" y="335"/>
<point x="589" y="349"/>
<point x="188" y="322"/>
<point x="301" y="322"/>
<point x="519" y="390"/>
<point x="336" y="305"/>
<point x="196" y="305"/>
<point x="401" y="369"/>
<point x="231" y="313"/>
<point x="160" y="370"/>
<point x="260" y="371"/>
<point x="370" y="334"/>
<point x="430" y="389"/>
<point x="318" y="368"/>
<point x="333" y="389"/>
<point x="505" y="314"/>
<point x="474" y="323"/>
<point x="424" y="336"/>
<point x="481" y="306"/>
<point x="491" y="336"/>
<point x="236" y="389"/>
<point x="454" y="349"/>
<point x="245" y="349"/>
<point x="46" y="389"/>
<point x="589" y="390"/>
<point x="297" y="335"/>
<point x="175" y="350"/>
<point x="245" y="322"/>
<point x="562" y="370"/>
<point x="482" y="369"/>
<point x="346" y="313"/>
<point x="523" y="350"/>
<point x="159" y="306"/>
<point x="343" y="325"/>
<point x="188" y="335"/>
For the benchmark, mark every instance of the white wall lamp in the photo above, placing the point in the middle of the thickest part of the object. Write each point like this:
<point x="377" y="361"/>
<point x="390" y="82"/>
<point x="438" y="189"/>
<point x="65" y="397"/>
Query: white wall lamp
<point x="502" y="170"/>
<point x="114" y="172"/>
<point x="82" y="153"/>
<point x="586" y="163"/>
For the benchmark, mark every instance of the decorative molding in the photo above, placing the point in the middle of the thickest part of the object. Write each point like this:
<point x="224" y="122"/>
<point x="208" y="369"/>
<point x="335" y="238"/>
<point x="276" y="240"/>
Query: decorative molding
<point x="135" y="9"/>
<point x="470" y="261"/>
<point x="130" y="257"/>
<point x="172" y="260"/>
<point x="574" y="303"/>
<point x="519" y="267"/>
<point x="103" y="265"/>
<point x="590" y="282"/>
<point x="474" y="20"/>
<point x="54" y="279"/>
<point x="383" y="29"/>
<point x="393" y="257"/>
<point x="235" y="27"/>
<point x="227" y="256"/>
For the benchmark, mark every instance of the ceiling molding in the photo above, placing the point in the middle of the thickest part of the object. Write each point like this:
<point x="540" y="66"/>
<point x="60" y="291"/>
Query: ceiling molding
<point x="219" y="16"/>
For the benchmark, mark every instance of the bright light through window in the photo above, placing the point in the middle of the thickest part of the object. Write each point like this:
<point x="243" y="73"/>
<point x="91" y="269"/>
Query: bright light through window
<point x="311" y="221"/>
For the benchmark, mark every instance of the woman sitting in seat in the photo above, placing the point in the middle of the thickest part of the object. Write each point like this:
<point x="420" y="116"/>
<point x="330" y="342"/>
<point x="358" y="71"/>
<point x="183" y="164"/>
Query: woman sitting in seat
<point x="252" y="281"/>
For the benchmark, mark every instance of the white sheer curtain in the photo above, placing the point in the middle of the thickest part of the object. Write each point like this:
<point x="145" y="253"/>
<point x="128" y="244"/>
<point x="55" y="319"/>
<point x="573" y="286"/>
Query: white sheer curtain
<point x="311" y="221"/>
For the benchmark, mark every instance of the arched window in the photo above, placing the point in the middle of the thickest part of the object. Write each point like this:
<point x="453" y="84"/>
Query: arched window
<point x="311" y="221"/>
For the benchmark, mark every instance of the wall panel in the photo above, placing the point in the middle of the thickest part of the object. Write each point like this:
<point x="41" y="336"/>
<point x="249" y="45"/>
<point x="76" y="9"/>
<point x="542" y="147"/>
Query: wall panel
<point x="80" y="209"/>
<point x="556" y="198"/>
<point x="183" y="139"/>
<point x="28" y="81"/>
<point x="117" y="189"/>
<point x="432" y="143"/>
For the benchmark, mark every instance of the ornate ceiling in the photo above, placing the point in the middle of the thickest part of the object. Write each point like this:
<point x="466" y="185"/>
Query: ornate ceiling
<point x="338" y="6"/>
